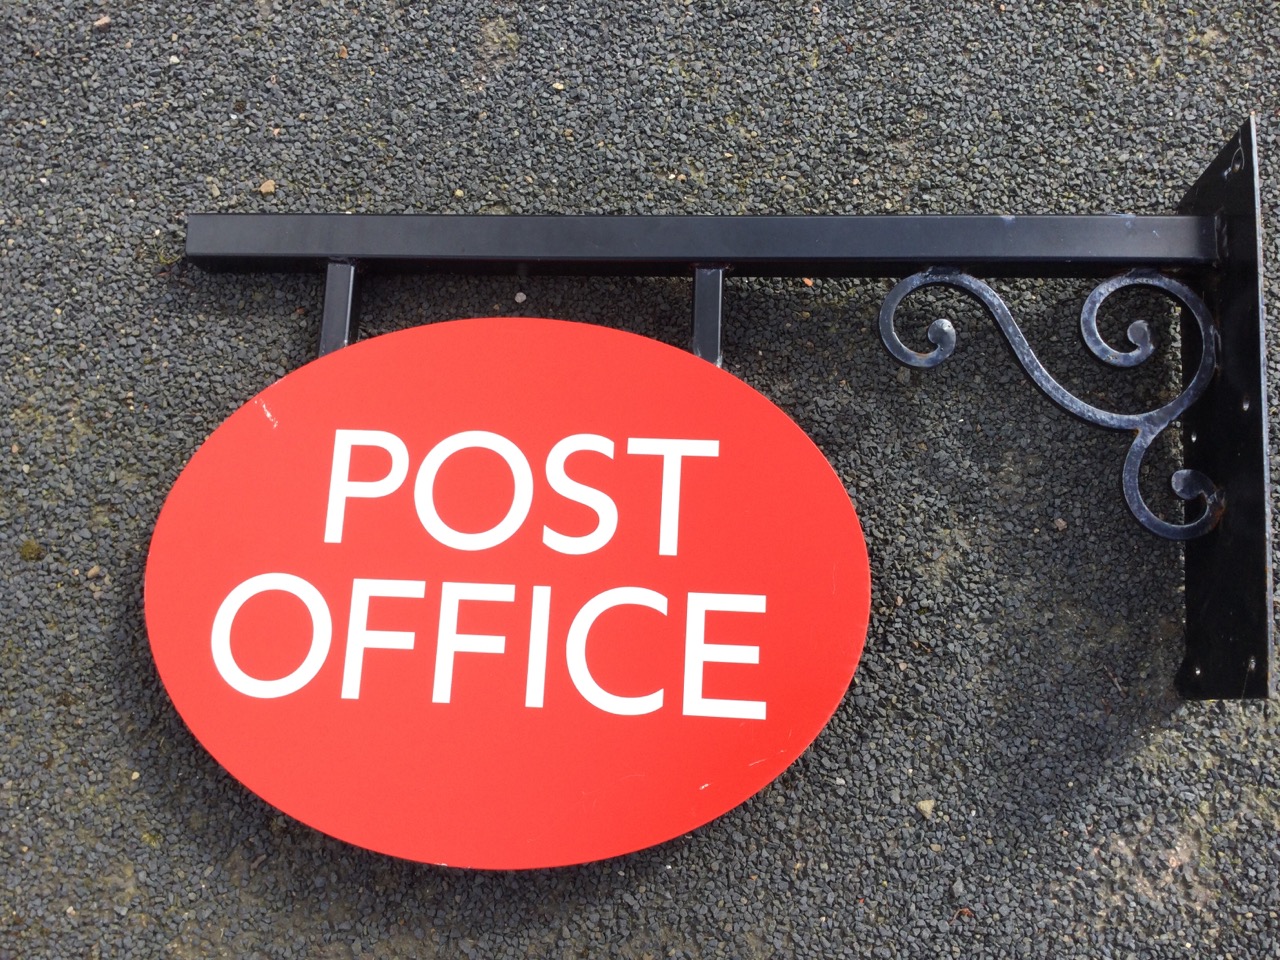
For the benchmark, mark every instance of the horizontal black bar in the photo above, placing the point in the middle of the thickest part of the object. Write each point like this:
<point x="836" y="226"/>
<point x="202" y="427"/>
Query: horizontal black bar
<point x="844" y="246"/>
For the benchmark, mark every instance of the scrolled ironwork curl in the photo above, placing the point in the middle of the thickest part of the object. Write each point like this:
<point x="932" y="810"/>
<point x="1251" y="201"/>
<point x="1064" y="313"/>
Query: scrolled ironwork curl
<point x="1189" y="485"/>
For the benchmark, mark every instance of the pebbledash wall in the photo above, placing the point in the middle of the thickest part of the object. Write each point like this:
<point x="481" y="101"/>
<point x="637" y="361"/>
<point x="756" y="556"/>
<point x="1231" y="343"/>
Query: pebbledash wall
<point x="1009" y="772"/>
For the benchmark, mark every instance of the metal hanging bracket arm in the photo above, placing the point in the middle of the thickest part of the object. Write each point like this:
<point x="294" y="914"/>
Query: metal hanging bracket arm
<point x="1207" y="257"/>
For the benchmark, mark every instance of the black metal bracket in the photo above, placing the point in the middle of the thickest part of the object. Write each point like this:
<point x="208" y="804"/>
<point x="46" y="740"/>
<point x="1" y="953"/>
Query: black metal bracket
<point x="1228" y="571"/>
<point x="340" y="324"/>
<point x="1207" y="257"/>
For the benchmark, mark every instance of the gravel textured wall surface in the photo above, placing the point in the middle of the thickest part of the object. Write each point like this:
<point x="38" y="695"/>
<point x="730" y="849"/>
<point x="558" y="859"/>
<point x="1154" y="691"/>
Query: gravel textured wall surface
<point x="1010" y="774"/>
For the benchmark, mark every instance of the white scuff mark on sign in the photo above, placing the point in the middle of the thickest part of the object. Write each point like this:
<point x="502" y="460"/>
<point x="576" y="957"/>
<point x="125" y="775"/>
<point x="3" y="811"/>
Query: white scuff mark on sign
<point x="269" y="415"/>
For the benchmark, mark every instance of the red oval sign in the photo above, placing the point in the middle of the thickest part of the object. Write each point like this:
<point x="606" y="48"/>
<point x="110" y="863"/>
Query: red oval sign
<point x="507" y="593"/>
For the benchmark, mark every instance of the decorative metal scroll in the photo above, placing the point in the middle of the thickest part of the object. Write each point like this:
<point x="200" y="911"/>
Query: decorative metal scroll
<point x="1187" y="484"/>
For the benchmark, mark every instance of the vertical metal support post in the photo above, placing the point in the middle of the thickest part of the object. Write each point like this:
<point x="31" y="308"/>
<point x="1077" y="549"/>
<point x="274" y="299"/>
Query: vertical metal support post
<point x="1228" y="571"/>
<point x="708" y="304"/>
<point x="341" y="307"/>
